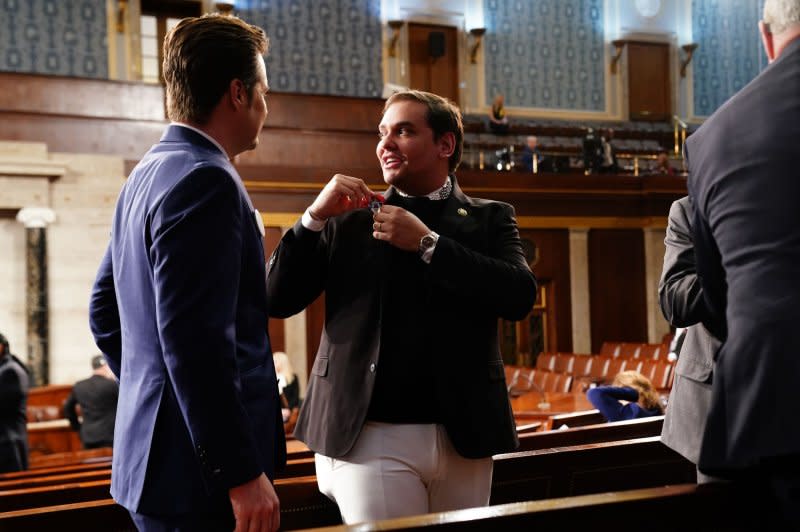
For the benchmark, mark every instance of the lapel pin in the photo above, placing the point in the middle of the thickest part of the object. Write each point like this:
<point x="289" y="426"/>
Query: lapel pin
<point x="462" y="211"/>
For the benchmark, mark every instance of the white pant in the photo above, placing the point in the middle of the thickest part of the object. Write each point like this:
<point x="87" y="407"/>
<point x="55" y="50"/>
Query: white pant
<point x="396" y="470"/>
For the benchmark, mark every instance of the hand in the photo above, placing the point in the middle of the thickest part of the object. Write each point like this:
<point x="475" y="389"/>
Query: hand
<point x="398" y="227"/>
<point x="342" y="193"/>
<point x="255" y="506"/>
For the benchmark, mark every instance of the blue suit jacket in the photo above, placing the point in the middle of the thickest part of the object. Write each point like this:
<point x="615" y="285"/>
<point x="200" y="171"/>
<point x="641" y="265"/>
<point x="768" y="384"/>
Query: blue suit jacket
<point x="179" y="309"/>
<point x="744" y="181"/>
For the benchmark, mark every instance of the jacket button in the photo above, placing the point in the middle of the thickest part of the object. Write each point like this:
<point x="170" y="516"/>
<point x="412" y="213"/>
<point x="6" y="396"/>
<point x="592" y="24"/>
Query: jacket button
<point x="372" y="368"/>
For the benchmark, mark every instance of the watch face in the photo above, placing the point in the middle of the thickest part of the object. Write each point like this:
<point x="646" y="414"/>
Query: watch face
<point x="426" y="242"/>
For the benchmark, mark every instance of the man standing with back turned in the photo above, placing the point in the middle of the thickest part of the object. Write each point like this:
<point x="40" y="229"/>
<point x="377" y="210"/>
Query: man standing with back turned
<point x="744" y="182"/>
<point x="407" y="400"/>
<point x="179" y="305"/>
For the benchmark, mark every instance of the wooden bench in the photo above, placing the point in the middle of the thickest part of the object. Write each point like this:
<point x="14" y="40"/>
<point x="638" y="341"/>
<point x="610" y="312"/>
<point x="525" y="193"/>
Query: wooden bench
<point x="598" y="433"/>
<point x="584" y="469"/>
<point x="70" y="457"/>
<point x="666" y="508"/>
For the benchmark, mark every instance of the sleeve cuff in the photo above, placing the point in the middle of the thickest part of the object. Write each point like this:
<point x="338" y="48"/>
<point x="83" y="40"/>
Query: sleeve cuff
<point x="311" y="224"/>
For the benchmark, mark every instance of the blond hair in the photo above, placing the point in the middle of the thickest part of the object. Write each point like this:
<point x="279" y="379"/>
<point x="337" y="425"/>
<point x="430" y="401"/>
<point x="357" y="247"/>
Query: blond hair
<point x="283" y="366"/>
<point x="648" y="397"/>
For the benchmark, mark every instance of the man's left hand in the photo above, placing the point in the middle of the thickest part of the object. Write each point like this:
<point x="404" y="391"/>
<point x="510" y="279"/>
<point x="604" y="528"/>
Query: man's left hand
<point x="398" y="227"/>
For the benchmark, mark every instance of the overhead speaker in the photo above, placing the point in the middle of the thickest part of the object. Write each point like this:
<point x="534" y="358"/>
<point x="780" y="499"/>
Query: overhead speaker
<point x="436" y="44"/>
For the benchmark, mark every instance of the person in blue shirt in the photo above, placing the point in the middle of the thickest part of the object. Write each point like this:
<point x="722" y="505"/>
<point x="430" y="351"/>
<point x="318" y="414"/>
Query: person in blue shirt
<point x="630" y="396"/>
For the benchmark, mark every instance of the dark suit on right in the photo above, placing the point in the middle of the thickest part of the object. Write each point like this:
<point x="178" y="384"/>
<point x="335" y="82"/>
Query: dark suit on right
<point x="744" y="181"/>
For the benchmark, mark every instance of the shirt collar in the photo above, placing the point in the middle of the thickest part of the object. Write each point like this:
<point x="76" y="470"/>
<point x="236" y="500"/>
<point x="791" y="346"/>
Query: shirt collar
<point x="441" y="193"/>
<point x="204" y="134"/>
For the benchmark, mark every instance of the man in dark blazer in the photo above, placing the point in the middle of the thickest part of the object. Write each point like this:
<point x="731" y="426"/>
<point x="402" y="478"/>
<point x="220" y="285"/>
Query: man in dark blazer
<point x="744" y="181"/>
<point x="179" y="305"/>
<point x="683" y="305"/>
<point x="406" y="402"/>
<point x="14" y="382"/>
<point x="97" y="398"/>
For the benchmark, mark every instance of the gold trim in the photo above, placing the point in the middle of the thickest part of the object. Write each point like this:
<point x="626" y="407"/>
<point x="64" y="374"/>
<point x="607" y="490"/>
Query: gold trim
<point x="288" y="219"/>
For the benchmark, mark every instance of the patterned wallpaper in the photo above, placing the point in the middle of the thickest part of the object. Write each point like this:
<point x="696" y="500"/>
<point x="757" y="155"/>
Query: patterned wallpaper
<point x="320" y="47"/>
<point x="547" y="53"/>
<point x="59" y="37"/>
<point x="729" y="53"/>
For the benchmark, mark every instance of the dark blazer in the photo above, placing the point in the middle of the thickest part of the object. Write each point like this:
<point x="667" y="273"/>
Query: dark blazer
<point x="744" y="181"/>
<point x="14" y="383"/>
<point x="97" y="397"/>
<point x="477" y="274"/>
<point x="198" y="400"/>
<point x="683" y="305"/>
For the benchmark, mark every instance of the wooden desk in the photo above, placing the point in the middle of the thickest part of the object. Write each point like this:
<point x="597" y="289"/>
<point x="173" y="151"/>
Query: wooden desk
<point x="538" y="406"/>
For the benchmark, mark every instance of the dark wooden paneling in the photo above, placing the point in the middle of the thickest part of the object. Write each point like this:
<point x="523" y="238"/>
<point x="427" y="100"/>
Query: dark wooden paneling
<point x="649" y="95"/>
<point x="617" y="286"/>
<point x="553" y="246"/>
<point x="437" y="75"/>
<point x="277" y="334"/>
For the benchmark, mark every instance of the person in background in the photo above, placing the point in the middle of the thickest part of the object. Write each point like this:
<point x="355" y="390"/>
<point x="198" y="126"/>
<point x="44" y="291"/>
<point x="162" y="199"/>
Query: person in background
<point x="531" y="152"/>
<point x="609" y="153"/>
<point x="630" y="396"/>
<point x="179" y="305"/>
<point x="14" y="383"/>
<point x="662" y="166"/>
<point x="407" y="400"/>
<point x="288" y="385"/>
<point x="97" y="398"/>
<point x="498" y="121"/>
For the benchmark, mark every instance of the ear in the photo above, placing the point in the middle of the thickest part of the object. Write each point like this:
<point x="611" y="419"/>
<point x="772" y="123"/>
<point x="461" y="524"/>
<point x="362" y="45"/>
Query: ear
<point x="767" y="40"/>
<point x="447" y="145"/>
<point x="237" y="94"/>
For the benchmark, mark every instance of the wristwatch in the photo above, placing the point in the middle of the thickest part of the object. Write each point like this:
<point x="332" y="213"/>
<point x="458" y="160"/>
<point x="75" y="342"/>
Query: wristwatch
<point x="427" y="243"/>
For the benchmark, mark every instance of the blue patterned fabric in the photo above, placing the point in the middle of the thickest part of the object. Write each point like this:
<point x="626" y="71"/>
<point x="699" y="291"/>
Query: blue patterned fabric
<point x="547" y="53"/>
<point x="57" y="37"/>
<point x="730" y="54"/>
<point x="321" y="47"/>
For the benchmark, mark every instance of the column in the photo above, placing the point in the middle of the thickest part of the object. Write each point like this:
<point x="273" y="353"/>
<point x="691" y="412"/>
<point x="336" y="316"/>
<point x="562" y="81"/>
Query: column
<point x="654" y="250"/>
<point x="35" y="220"/>
<point x="579" y="281"/>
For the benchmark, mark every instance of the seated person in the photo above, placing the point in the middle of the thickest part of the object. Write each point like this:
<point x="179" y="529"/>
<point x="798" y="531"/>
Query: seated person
<point x="498" y="121"/>
<point x="662" y="166"/>
<point x="630" y="396"/>
<point x="97" y="397"/>
<point x="530" y="151"/>
<point x="288" y="385"/>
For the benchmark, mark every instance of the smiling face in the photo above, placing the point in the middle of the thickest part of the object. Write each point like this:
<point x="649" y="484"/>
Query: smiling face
<point x="411" y="159"/>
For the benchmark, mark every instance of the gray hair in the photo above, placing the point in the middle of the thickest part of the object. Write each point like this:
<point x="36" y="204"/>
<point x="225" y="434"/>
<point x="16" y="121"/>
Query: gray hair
<point x="780" y="14"/>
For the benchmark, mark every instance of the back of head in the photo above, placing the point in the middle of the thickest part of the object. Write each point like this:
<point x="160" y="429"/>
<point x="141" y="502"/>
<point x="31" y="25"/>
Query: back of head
<point x="781" y="14"/>
<point x="202" y="55"/>
<point x="443" y="116"/>
<point x="98" y="361"/>
<point x="283" y="366"/>
<point x="4" y="347"/>
<point x="648" y="397"/>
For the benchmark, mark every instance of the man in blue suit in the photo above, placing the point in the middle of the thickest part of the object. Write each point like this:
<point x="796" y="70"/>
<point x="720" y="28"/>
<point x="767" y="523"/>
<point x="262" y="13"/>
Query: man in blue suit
<point x="179" y="305"/>
<point x="744" y="181"/>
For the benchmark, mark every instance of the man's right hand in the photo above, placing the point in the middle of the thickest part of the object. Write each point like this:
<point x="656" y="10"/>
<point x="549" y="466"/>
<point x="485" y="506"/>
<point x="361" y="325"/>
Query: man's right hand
<point x="342" y="193"/>
<point x="255" y="506"/>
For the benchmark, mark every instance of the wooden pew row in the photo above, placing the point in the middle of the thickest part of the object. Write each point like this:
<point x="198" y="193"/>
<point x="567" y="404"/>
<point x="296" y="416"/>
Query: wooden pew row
<point x="518" y="477"/>
<point x="80" y="456"/>
<point x="666" y="508"/>
<point x="19" y="490"/>
<point x="596" y="433"/>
